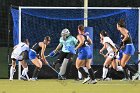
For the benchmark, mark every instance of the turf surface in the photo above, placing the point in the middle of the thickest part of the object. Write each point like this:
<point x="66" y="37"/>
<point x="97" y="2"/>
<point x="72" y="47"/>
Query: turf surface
<point x="68" y="86"/>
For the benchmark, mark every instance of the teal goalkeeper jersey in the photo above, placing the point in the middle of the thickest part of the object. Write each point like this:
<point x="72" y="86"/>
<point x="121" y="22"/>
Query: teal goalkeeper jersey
<point x="70" y="41"/>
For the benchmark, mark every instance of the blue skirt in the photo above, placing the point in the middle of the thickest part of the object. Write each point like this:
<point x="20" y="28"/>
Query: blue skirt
<point x="84" y="53"/>
<point x="32" y="54"/>
<point x="129" y="49"/>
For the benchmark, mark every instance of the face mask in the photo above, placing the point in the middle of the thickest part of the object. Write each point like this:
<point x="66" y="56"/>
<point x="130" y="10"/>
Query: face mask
<point x="64" y="36"/>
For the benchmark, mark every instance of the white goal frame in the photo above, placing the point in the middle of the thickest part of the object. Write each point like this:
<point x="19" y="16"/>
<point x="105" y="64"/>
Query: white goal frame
<point x="85" y="22"/>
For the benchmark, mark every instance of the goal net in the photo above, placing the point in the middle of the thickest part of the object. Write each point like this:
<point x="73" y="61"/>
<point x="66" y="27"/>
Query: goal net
<point x="34" y="23"/>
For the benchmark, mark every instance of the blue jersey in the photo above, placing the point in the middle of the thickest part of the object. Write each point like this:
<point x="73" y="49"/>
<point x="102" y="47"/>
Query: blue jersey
<point x="84" y="52"/>
<point x="70" y="41"/>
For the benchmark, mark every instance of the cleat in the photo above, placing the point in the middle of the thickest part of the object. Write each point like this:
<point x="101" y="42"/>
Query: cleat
<point x="86" y="80"/>
<point x="33" y="79"/>
<point x="107" y="79"/>
<point x="61" y="78"/>
<point x="11" y="79"/>
<point x="92" y="81"/>
<point x="23" y="78"/>
<point x="101" y="79"/>
<point x="125" y="79"/>
<point x="135" y="76"/>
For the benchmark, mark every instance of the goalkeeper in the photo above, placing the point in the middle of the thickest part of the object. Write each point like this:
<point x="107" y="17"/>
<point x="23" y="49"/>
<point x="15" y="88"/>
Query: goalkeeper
<point x="67" y="44"/>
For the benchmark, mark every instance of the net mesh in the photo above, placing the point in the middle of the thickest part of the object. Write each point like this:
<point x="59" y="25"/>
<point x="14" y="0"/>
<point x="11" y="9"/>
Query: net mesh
<point x="37" y="23"/>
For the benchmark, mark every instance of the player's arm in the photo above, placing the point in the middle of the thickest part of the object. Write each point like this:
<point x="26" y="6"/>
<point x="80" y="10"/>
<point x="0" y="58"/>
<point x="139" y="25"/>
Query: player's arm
<point x="125" y="33"/>
<point x="89" y="40"/>
<point x="58" y="48"/>
<point x="103" y="48"/>
<point x="42" y="52"/>
<point x="81" y="41"/>
<point x="54" y="52"/>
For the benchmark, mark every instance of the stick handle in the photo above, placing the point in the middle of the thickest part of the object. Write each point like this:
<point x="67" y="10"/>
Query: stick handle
<point x="46" y="56"/>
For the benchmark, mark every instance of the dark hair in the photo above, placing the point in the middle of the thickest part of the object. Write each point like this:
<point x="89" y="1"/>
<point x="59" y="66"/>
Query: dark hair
<point x="47" y="38"/>
<point x="81" y="27"/>
<point x="121" y="23"/>
<point x="104" y="33"/>
<point x="25" y="40"/>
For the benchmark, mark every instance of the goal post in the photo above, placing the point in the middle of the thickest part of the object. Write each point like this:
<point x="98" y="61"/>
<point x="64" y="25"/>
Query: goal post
<point x="85" y="13"/>
<point x="19" y="40"/>
<point x="85" y="20"/>
<point x="139" y="43"/>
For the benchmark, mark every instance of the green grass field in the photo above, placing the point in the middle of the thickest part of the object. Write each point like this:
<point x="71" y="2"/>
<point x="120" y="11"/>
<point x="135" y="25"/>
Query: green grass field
<point x="68" y="86"/>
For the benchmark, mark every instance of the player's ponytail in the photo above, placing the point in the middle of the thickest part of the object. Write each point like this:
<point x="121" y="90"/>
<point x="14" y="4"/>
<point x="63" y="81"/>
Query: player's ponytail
<point x="121" y="23"/>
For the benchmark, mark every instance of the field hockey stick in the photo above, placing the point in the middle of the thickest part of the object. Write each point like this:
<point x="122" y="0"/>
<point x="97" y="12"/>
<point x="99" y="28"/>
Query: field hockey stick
<point x="102" y="54"/>
<point x="55" y="54"/>
<point x="47" y="56"/>
<point x="55" y="70"/>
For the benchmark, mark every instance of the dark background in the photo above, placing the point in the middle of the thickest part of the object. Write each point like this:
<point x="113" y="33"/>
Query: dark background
<point x="5" y="19"/>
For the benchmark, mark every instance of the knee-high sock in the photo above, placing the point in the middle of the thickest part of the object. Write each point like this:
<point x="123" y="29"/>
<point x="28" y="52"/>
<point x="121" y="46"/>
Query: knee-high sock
<point x="63" y="66"/>
<point x="79" y="75"/>
<point x="84" y="74"/>
<point x="36" y="72"/>
<point x="125" y="71"/>
<point x="25" y="72"/>
<point x="12" y="70"/>
<point x="131" y="69"/>
<point x="105" y="71"/>
<point x="86" y="70"/>
<point x="91" y="73"/>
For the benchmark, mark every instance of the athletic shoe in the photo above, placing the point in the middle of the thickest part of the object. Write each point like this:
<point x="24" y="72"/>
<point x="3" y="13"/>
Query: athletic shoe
<point x="23" y="78"/>
<point x="86" y="80"/>
<point x="107" y="79"/>
<point x="92" y="81"/>
<point x="125" y="79"/>
<point x="61" y="77"/>
<point x="135" y="76"/>
<point x="11" y="79"/>
<point x="101" y="79"/>
<point x="33" y="79"/>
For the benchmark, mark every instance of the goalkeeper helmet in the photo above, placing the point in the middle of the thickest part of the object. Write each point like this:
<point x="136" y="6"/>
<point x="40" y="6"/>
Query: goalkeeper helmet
<point x="65" y="33"/>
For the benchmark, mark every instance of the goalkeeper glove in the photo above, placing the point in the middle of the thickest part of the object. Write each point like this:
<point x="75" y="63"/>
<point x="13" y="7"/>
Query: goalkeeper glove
<point x="52" y="54"/>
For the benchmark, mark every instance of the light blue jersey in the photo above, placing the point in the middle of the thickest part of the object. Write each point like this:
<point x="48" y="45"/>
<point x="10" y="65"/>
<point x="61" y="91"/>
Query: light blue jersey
<point x="70" y="41"/>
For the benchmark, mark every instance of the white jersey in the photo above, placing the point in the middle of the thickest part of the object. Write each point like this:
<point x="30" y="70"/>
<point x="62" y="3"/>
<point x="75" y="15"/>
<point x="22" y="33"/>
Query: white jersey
<point x="110" y="44"/>
<point x="18" y="50"/>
